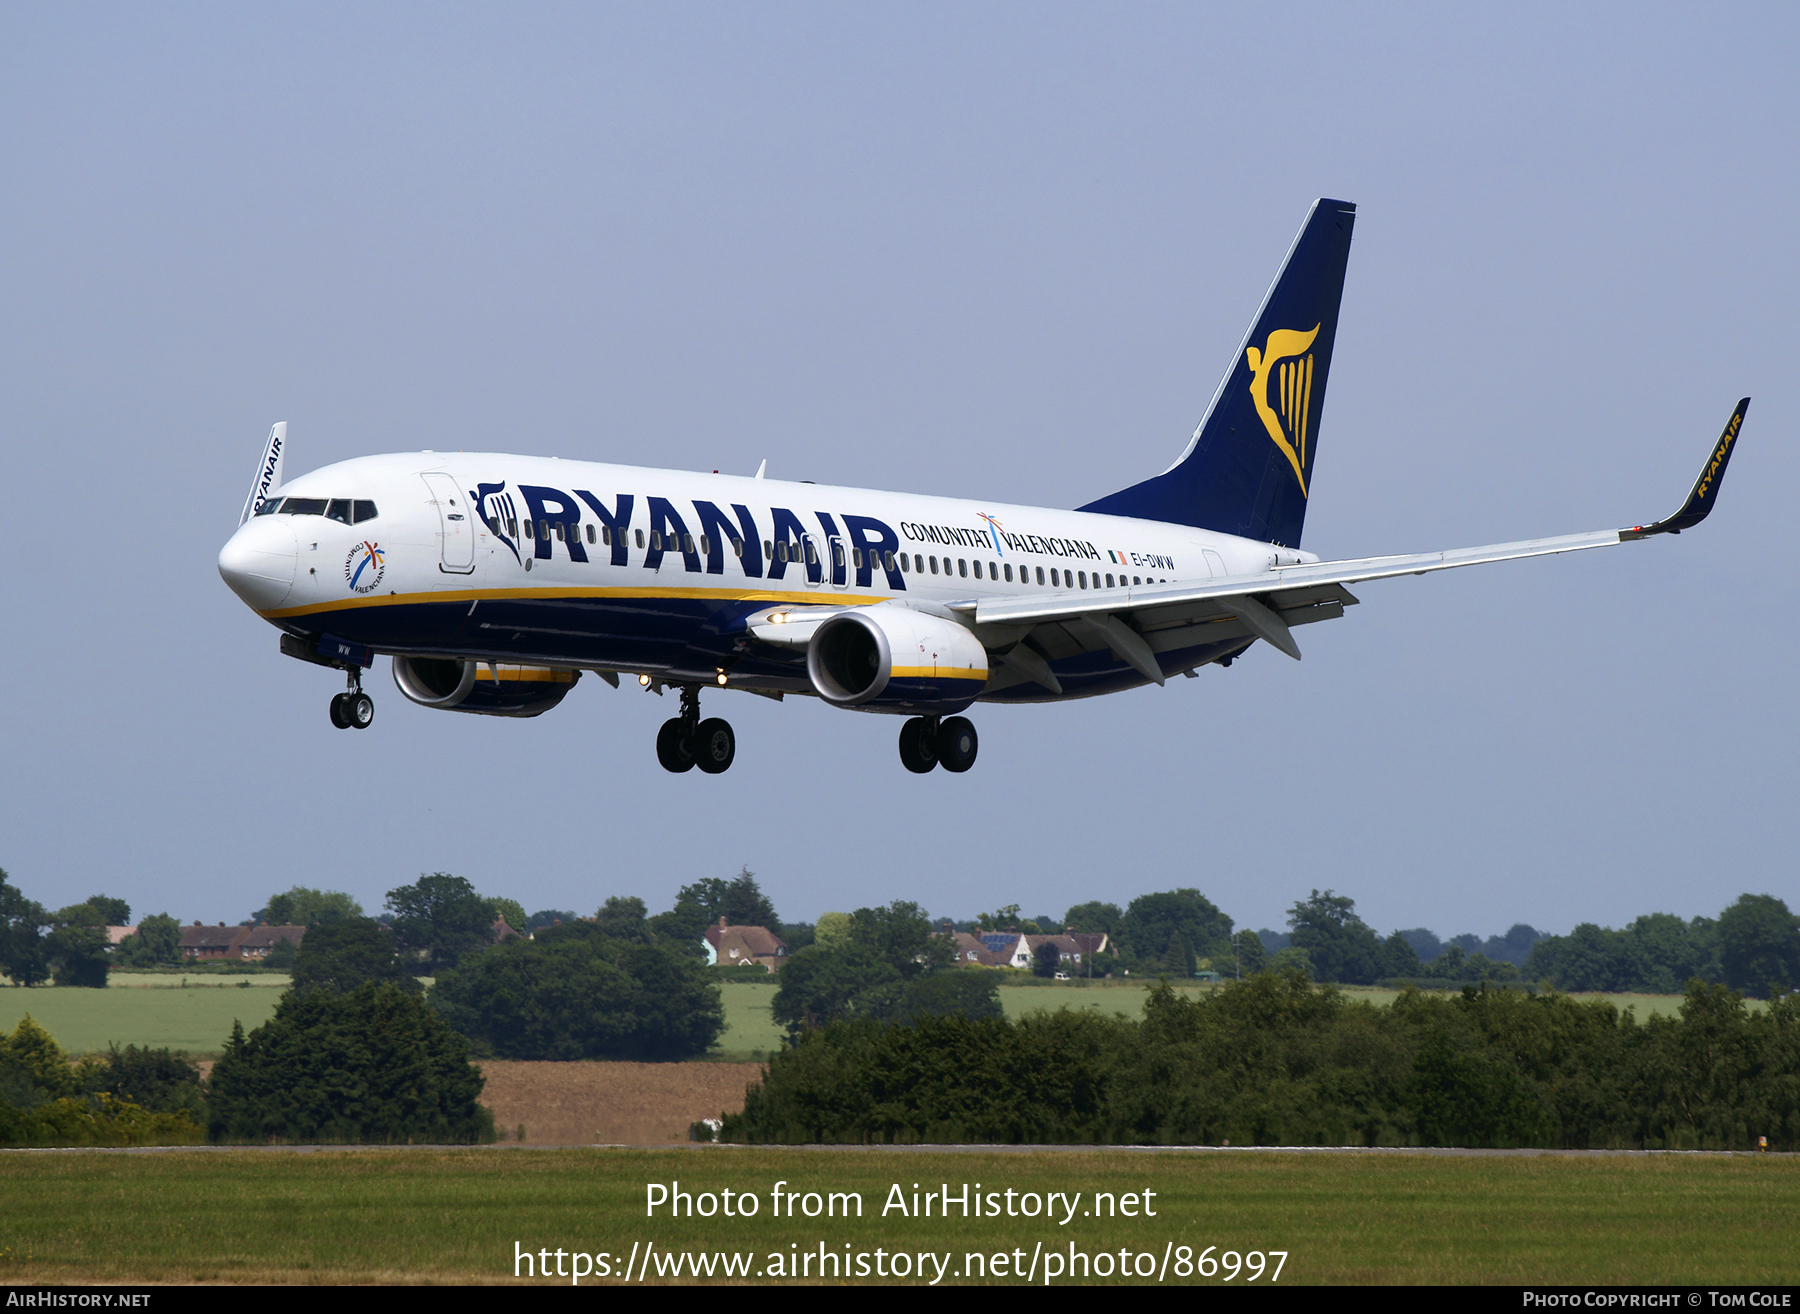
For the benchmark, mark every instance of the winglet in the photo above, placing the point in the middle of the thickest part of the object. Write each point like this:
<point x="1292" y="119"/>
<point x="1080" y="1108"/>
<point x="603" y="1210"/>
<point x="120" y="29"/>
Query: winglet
<point x="1699" y="502"/>
<point x="268" y="474"/>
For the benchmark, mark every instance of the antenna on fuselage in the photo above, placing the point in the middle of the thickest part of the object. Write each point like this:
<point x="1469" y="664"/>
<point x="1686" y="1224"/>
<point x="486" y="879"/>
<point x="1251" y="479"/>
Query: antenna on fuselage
<point x="762" y="467"/>
<point x="268" y="474"/>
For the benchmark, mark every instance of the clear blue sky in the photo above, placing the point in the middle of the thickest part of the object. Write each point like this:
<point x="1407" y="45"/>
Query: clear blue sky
<point x="1001" y="250"/>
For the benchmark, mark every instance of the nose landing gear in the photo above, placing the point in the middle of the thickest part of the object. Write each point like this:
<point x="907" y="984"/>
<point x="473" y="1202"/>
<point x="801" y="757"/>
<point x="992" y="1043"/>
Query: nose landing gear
<point x="685" y="741"/>
<point x="927" y="742"/>
<point x="353" y="709"/>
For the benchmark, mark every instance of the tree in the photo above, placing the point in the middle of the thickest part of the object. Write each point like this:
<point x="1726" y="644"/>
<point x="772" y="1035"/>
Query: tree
<point x="1251" y="956"/>
<point x="832" y="930"/>
<point x="1005" y="919"/>
<point x="342" y="956"/>
<point x="972" y="993"/>
<point x="303" y="906"/>
<point x="1158" y="931"/>
<point x="1759" y="946"/>
<point x="155" y="943"/>
<point x="1046" y="959"/>
<point x="548" y="917"/>
<point x="1398" y="957"/>
<point x="576" y="992"/>
<point x="819" y="985"/>
<point x="22" y="924"/>
<point x="1093" y="918"/>
<point x="441" y="916"/>
<point x="373" y="1065"/>
<point x="98" y="910"/>
<point x="623" y="919"/>
<point x="79" y="954"/>
<point x="1341" y="947"/>
<point x="739" y="900"/>
<point x="902" y="935"/>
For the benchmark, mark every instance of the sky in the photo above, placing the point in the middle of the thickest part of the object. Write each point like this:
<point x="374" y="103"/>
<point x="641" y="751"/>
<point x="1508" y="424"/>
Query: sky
<point x="995" y="250"/>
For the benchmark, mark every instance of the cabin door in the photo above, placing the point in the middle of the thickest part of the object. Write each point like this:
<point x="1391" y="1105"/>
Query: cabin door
<point x="456" y="523"/>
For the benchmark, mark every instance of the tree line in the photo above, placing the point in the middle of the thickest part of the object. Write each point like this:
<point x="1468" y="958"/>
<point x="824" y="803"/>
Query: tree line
<point x="1278" y="1060"/>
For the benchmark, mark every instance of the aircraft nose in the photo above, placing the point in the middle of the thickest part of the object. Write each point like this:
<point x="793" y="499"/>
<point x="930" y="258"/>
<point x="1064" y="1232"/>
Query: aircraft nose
<point x="259" y="561"/>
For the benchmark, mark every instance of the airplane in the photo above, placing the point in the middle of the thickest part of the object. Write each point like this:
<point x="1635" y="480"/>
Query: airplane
<point x="495" y="581"/>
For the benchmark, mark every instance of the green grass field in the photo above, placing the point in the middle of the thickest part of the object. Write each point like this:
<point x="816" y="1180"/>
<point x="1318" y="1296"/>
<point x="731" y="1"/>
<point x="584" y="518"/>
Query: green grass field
<point x="455" y="1216"/>
<point x="196" y="1018"/>
<point x="159" y="1011"/>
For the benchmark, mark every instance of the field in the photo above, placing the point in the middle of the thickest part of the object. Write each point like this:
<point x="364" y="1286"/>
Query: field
<point x="464" y="1215"/>
<point x="611" y="1103"/>
<point x="195" y="1013"/>
<point x="155" y="1011"/>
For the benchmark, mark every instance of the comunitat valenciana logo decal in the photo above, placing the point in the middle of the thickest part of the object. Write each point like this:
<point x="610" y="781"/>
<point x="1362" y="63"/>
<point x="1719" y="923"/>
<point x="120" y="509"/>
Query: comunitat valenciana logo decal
<point x="1293" y="382"/>
<point x="364" y="567"/>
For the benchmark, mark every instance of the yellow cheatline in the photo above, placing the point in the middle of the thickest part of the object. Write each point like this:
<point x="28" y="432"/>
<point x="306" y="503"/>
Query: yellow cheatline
<point x="495" y="595"/>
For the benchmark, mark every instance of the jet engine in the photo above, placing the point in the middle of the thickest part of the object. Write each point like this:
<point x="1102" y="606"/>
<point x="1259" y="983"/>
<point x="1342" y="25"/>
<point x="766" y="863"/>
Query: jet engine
<point x="486" y="688"/>
<point x="895" y="659"/>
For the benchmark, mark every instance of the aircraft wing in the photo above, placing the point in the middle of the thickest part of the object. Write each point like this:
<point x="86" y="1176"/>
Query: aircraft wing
<point x="1138" y="622"/>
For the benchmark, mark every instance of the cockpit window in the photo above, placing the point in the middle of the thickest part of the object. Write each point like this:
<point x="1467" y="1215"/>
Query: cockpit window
<point x="365" y="511"/>
<point x="339" y="510"/>
<point x="269" y="507"/>
<point x="303" y="506"/>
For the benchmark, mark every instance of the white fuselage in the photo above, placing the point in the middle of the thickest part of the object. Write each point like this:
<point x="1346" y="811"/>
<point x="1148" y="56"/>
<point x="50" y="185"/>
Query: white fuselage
<point x="497" y="557"/>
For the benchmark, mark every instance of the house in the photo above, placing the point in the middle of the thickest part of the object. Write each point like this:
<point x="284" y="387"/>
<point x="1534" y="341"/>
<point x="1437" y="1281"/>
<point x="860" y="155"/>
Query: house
<point x="224" y="943"/>
<point x="256" y="941"/>
<point x="1011" y="949"/>
<point x="739" y="946"/>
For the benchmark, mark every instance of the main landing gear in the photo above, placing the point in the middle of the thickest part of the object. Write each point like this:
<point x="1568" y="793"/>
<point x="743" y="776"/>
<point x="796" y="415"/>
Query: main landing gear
<point x="686" y="741"/>
<point x="353" y="709"/>
<point x="927" y="742"/>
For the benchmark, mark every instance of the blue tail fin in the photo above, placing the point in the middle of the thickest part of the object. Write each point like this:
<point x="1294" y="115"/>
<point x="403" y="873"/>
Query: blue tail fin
<point x="1249" y="466"/>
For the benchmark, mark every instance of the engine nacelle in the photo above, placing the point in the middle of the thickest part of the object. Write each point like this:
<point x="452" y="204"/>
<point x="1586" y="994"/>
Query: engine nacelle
<point x="894" y="659"/>
<point x="488" y="689"/>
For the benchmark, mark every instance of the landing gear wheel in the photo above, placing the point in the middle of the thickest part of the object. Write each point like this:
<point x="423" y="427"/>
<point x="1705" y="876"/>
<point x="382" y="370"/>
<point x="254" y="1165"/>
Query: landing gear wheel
<point x="956" y="743"/>
<point x="714" y="746"/>
<point x="338" y="718"/>
<point x="358" y="711"/>
<point x="673" y="749"/>
<point x="918" y="746"/>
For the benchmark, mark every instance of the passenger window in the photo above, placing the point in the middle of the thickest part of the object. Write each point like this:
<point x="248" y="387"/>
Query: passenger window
<point x="737" y="546"/>
<point x="962" y="567"/>
<point x="769" y="550"/>
<point x="640" y="538"/>
<point x="993" y="571"/>
<point x="856" y="557"/>
<point x="1009" y="572"/>
<point x="530" y="532"/>
<point x="590" y="533"/>
<point x="687" y="541"/>
<point x="512" y="527"/>
<point x="933" y="561"/>
<point x="544" y="530"/>
<point x="656" y="540"/>
<point x="1136" y="580"/>
<point x="1040" y="574"/>
<point x="887" y="560"/>
<point x="559" y="531"/>
<point x="605" y="535"/>
<point x="781" y="553"/>
<point x="812" y="553"/>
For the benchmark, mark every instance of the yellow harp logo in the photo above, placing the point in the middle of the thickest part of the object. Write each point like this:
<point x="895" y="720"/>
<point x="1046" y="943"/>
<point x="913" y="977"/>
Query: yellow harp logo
<point x="1294" y="392"/>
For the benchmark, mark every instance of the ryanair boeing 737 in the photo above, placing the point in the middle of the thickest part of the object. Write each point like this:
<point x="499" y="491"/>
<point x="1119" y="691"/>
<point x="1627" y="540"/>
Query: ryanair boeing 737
<point x="495" y="581"/>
